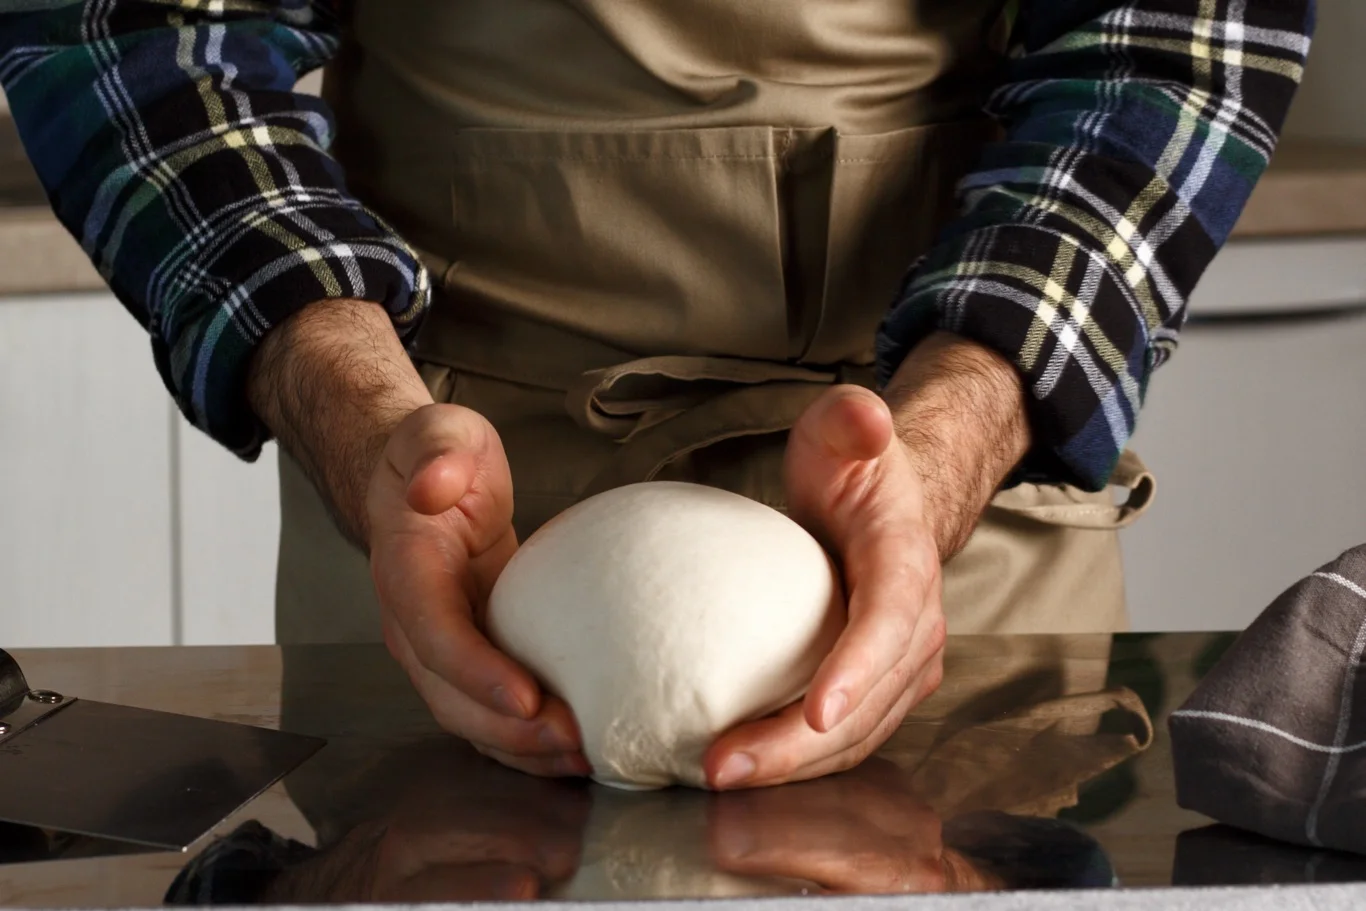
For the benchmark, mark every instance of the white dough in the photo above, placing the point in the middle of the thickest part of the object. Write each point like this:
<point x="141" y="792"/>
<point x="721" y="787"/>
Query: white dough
<point x="665" y="613"/>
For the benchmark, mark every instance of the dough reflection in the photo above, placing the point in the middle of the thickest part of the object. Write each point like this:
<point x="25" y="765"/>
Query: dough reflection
<point x="461" y="828"/>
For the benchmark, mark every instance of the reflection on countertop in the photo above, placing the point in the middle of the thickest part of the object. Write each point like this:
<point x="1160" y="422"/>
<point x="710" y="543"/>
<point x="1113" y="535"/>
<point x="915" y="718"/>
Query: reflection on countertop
<point x="1043" y="761"/>
<point x="459" y="830"/>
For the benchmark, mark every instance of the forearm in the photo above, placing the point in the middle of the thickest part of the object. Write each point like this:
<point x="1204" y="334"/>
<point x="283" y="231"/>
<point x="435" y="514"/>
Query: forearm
<point x="204" y="192"/>
<point x="331" y="383"/>
<point x="1135" y="130"/>
<point x="959" y="409"/>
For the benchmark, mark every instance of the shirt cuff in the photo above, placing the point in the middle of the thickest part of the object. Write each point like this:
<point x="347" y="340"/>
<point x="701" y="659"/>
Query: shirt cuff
<point x="206" y="363"/>
<point x="1058" y="312"/>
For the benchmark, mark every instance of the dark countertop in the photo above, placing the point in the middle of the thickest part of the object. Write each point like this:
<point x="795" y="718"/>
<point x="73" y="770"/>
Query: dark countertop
<point x="1312" y="189"/>
<point x="1045" y="727"/>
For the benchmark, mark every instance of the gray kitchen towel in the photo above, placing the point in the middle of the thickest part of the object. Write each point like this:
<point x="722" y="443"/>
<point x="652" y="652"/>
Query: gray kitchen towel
<point x="1273" y="740"/>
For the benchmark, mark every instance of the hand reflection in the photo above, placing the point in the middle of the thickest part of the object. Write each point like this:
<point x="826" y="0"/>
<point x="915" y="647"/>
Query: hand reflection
<point x="863" y="831"/>
<point x="460" y="828"/>
<point x="469" y="834"/>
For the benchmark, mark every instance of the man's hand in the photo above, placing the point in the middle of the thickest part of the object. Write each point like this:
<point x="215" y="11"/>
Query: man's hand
<point x="425" y="490"/>
<point x="852" y="484"/>
<point x="440" y="518"/>
<point x="893" y="489"/>
<point x="454" y="829"/>
<point x="863" y="832"/>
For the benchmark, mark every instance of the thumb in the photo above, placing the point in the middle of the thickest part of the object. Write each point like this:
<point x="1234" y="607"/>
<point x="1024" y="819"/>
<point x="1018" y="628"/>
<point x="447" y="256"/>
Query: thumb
<point x="847" y="422"/>
<point x="439" y="451"/>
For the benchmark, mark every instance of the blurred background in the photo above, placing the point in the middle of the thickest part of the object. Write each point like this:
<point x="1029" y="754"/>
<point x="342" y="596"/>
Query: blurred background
<point x="121" y="525"/>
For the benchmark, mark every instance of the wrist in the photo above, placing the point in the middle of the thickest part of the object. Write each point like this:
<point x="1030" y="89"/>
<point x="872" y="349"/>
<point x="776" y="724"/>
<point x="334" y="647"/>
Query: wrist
<point x="332" y="383"/>
<point x="959" y="410"/>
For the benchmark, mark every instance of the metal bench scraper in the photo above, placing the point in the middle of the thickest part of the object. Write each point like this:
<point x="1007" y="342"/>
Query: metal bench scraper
<point x="154" y="779"/>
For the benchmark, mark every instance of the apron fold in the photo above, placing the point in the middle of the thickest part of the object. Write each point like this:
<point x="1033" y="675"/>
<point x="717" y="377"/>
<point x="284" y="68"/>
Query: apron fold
<point x="659" y="231"/>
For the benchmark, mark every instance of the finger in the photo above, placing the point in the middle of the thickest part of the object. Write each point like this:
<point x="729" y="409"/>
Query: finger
<point x="894" y="615"/>
<point x="878" y="796"/>
<point x="846" y="423"/>
<point x="773" y="748"/>
<point x="841" y="858"/>
<point x="921" y="687"/>
<point x="421" y="595"/>
<point x="439" y="453"/>
<point x="552" y="730"/>
<point x="503" y="817"/>
<point x="785" y="748"/>
<point x="857" y="837"/>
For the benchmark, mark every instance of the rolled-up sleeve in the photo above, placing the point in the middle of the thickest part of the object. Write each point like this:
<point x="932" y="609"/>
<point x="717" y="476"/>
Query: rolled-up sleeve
<point x="1134" y="134"/>
<point x="171" y="144"/>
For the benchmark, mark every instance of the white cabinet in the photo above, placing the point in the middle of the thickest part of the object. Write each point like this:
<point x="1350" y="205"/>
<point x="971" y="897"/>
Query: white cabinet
<point x="229" y="532"/>
<point x="119" y="523"/>
<point x="1256" y="431"/>
<point x="85" y="477"/>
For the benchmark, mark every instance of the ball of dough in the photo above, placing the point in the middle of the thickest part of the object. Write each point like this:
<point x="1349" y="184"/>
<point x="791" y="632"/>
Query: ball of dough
<point x="664" y="613"/>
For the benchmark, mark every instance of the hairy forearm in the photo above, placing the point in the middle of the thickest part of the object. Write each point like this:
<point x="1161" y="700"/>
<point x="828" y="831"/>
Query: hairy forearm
<point x="959" y="409"/>
<point x="331" y="383"/>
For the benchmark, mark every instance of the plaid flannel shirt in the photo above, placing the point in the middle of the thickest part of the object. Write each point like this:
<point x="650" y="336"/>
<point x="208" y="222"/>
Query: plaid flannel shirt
<point x="170" y="143"/>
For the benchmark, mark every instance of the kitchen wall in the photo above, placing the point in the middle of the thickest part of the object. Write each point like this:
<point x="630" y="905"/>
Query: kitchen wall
<point x="120" y="524"/>
<point x="1330" y="103"/>
<point x="1256" y="430"/>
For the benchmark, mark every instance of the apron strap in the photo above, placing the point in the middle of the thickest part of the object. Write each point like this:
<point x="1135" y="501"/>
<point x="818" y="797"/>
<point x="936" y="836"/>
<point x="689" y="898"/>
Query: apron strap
<point x="624" y="400"/>
<point x="661" y="409"/>
<point x="1056" y="505"/>
<point x="748" y="411"/>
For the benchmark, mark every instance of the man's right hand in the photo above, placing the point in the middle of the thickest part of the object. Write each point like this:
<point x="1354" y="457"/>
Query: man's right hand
<point x="425" y="490"/>
<point x="440" y="518"/>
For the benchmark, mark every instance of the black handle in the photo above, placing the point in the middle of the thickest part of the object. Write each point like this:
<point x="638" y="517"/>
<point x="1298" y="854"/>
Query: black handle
<point x="13" y="686"/>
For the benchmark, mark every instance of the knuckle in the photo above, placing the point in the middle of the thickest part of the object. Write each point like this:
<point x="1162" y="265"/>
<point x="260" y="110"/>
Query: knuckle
<point x="902" y="675"/>
<point x="851" y="757"/>
<point x="933" y="679"/>
<point x="450" y="721"/>
<point x="938" y="638"/>
<point x="777" y="768"/>
<point x="936" y="631"/>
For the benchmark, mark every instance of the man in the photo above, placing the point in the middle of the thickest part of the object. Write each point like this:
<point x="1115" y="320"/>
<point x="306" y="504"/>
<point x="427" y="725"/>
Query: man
<point x="658" y="236"/>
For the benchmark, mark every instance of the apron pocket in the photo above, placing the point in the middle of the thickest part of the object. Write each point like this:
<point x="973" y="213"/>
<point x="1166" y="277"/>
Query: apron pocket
<point x="657" y="242"/>
<point x="890" y="194"/>
<point x="1068" y="507"/>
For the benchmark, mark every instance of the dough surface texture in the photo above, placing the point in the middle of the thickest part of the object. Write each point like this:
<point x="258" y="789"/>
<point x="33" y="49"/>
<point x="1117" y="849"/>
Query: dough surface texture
<point x="665" y="613"/>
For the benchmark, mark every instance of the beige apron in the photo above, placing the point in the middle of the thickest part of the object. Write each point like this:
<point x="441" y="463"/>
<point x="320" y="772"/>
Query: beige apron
<point x="657" y="231"/>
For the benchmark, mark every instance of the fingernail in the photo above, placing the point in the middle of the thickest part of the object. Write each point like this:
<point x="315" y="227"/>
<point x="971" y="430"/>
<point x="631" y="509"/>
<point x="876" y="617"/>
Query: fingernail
<point x="555" y="738"/>
<point x="832" y="712"/>
<point x="735" y="770"/>
<point x="507" y="703"/>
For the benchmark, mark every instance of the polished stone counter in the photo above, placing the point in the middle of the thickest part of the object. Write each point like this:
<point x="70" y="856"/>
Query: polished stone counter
<point x="1043" y="762"/>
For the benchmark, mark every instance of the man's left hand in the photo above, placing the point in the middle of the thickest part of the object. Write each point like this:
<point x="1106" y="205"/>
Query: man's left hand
<point x="851" y="482"/>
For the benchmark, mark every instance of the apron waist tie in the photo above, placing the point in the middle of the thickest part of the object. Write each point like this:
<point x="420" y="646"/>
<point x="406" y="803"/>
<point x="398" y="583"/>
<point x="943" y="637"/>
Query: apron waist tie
<point x="663" y="408"/>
